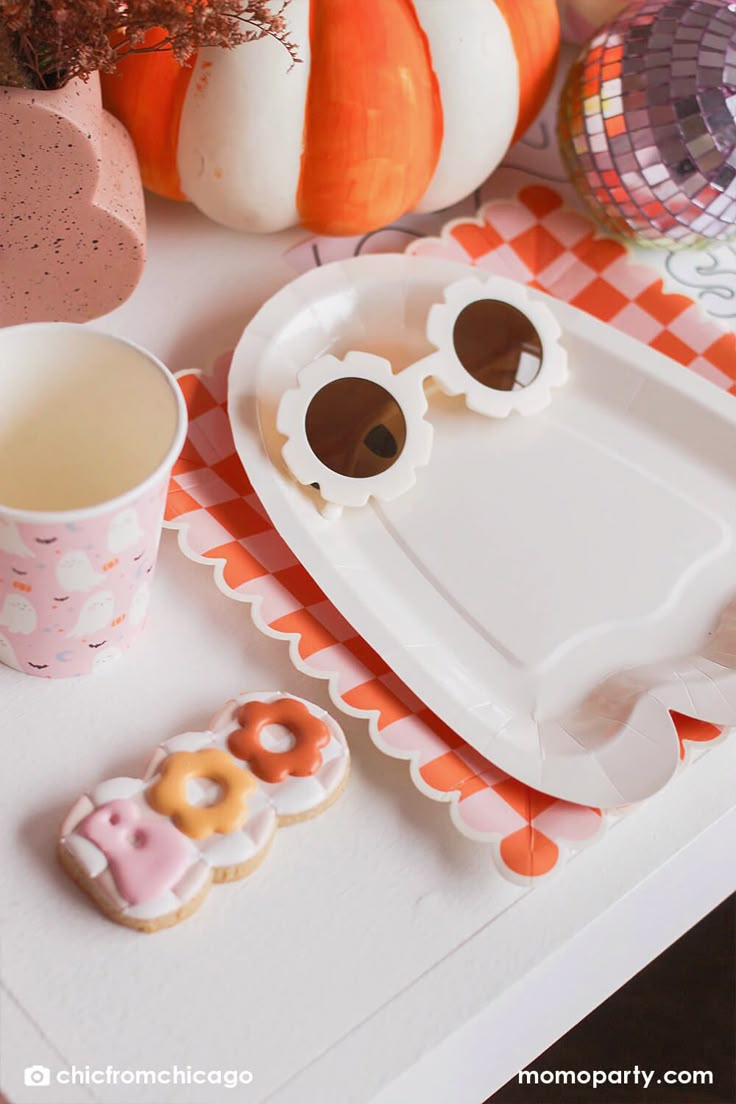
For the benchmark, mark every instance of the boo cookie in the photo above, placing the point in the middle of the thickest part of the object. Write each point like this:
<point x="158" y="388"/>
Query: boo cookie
<point x="147" y="850"/>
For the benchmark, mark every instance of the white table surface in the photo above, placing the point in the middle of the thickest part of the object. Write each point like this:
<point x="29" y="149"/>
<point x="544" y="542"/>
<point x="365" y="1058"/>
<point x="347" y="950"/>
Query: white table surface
<point x="377" y="955"/>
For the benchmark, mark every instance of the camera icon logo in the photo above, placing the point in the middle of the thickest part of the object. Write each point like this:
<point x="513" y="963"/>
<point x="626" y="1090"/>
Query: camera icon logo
<point x="38" y="1077"/>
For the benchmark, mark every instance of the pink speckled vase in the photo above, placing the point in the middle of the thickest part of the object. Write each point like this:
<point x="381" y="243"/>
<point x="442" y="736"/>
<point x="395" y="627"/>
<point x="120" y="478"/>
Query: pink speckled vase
<point x="72" y="219"/>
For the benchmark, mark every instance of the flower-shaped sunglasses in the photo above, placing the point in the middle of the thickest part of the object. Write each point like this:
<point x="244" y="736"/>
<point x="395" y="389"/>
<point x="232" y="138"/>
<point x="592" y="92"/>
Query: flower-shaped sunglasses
<point x="356" y="429"/>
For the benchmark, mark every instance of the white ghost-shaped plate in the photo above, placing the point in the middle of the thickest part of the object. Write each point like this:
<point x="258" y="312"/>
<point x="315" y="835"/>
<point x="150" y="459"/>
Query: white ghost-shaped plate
<point x="540" y="583"/>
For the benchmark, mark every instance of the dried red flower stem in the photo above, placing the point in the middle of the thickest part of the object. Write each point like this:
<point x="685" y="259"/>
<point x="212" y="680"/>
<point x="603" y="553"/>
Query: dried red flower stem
<point x="46" y="43"/>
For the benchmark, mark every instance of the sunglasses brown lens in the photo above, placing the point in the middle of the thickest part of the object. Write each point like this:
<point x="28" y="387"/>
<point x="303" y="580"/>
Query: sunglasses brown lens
<point x="497" y="345"/>
<point x="356" y="428"/>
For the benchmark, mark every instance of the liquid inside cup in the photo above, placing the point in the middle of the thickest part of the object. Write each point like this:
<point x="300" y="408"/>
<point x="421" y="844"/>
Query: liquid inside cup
<point x="84" y="417"/>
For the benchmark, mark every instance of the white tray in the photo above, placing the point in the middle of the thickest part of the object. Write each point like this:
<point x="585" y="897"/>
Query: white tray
<point x="539" y="584"/>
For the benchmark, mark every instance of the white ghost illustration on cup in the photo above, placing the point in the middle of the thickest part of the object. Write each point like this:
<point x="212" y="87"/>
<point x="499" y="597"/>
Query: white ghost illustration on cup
<point x="139" y="604"/>
<point x="75" y="572"/>
<point x="95" y="614"/>
<point x="7" y="654"/>
<point x="105" y="657"/>
<point x="18" y="615"/>
<point x="124" y="530"/>
<point x="11" y="541"/>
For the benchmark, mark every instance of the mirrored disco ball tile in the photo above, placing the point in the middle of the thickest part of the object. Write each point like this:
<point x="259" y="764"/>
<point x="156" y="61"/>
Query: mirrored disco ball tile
<point x="648" y="122"/>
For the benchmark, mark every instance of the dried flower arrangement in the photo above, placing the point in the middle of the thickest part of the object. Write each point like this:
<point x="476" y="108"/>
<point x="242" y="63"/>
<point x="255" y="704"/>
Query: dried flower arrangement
<point x="47" y="43"/>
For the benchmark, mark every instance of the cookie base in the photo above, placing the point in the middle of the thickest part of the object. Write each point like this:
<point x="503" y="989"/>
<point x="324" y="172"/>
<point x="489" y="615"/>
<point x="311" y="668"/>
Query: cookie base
<point x="296" y="818"/>
<point x="223" y="874"/>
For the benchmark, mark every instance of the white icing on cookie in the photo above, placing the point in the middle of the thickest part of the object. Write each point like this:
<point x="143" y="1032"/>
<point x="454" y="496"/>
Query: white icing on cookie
<point x="188" y="741"/>
<point x="163" y="906"/>
<point x="245" y="845"/>
<point x="114" y="789"/>
<point x="78" y="811"/>
<point x="87" y="855"/>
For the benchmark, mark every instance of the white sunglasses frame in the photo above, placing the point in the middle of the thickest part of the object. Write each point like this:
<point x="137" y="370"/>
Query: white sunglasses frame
<point x="407" y="389"/>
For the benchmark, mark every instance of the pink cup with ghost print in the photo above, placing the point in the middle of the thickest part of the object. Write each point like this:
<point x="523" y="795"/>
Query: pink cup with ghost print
<point x="90" y="428"/>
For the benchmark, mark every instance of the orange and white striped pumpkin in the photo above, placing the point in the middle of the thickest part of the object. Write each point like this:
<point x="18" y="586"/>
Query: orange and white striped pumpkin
<point x="396" y="105"/>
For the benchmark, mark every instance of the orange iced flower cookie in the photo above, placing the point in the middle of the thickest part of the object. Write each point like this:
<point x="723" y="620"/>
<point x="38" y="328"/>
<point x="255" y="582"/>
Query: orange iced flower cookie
<point x="168" y="795"/>
<point x="308" y="734"/>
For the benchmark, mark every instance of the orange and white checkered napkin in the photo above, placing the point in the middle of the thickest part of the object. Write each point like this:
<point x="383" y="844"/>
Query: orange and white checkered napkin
<point x="539" y="241"/>
<point x="221" y="522"/>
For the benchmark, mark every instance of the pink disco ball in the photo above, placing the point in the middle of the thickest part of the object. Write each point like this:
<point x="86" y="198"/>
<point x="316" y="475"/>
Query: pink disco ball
<point x="648" y="122"/>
